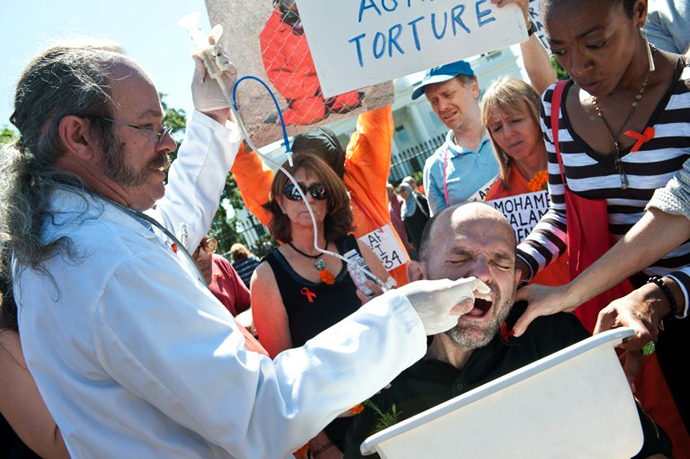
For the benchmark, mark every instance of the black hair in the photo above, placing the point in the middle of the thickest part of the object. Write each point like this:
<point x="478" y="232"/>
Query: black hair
<point x="628" y="5"/>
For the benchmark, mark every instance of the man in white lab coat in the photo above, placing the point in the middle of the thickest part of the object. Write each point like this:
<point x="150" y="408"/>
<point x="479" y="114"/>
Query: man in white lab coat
<point x="131" y="352"/>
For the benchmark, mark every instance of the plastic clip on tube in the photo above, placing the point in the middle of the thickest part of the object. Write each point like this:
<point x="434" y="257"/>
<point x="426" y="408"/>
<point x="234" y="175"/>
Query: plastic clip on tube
<point x="191" y="23"/>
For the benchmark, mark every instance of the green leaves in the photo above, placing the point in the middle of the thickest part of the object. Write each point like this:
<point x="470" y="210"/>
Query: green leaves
<point x="7" y="135"/>
<point x="385" y="420"/>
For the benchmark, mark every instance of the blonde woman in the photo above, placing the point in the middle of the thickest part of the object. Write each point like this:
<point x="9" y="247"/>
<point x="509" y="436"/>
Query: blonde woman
<point x="510" y="113"/>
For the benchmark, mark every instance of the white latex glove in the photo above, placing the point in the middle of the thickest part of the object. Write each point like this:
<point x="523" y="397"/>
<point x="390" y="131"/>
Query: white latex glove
<point x="439" y="303"/>
<point x="206" y="92"/>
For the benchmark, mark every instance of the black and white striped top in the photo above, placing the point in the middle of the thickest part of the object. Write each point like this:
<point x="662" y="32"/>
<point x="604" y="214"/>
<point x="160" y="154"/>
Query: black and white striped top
<point x="593" y="177"/>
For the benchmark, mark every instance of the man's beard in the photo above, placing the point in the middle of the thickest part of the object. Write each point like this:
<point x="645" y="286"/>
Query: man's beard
<point x="470" y="336"/>
<point x="115" y="165"/>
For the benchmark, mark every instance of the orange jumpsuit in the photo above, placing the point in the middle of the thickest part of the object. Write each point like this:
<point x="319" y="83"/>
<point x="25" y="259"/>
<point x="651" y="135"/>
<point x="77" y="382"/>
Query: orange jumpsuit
<point x="289" y="66"/>
<point x="367" y="165"/>
<point x="557" y="273"/>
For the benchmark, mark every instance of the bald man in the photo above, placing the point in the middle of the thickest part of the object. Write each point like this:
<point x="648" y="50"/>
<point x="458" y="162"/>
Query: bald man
<point x="471" y="240"/>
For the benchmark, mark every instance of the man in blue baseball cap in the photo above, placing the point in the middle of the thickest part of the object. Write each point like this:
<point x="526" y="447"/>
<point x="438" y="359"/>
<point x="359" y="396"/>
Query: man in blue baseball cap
<point x="464" y="167"/>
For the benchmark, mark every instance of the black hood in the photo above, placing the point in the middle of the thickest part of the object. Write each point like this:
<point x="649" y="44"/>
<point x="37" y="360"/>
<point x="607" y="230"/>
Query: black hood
<point x="324" y="143"/>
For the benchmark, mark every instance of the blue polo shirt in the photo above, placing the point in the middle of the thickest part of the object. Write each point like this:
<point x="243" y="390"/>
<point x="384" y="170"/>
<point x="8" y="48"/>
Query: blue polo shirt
<point x="469" y="173"/>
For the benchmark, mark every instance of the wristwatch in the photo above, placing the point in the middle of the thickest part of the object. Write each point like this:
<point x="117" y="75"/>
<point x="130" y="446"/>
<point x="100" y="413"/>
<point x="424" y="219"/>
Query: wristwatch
<point x="532" y="29"/>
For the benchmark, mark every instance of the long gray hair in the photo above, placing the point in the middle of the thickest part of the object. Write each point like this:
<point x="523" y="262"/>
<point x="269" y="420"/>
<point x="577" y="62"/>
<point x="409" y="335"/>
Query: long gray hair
<point x="66" y="79"/>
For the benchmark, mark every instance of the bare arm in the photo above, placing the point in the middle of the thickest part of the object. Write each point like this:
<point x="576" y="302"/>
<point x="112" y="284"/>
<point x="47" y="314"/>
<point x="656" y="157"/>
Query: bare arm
<point x="535" y="58"/>
<point x="656" y="234"/>
<point x="21" y="403"/>
<point x="268" y="310"/>
<point x="537" y="64"/>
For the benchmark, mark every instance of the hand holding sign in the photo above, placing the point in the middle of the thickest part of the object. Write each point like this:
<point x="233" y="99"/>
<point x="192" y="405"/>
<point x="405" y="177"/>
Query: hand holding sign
<point x="523" y="4"/>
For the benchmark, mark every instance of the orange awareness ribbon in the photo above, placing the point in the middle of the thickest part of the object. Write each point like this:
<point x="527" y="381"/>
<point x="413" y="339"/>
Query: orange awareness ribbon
<point x="309" y="294"/>
<point x="641" y="138"/>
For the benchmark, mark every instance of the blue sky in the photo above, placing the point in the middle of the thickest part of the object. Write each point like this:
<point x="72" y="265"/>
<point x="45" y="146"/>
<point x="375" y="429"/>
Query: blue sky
<point x="147" y="30"/>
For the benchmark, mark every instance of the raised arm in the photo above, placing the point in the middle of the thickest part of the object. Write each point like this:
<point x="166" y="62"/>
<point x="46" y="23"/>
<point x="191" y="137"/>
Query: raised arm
<point x="197" y="176"/>
<point x="254" y="180"/>
<point x="368" y="162"/>
<point x="535" y="58"/>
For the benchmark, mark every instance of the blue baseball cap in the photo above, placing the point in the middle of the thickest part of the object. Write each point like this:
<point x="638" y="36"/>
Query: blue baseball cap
<point x="441" y="74"/>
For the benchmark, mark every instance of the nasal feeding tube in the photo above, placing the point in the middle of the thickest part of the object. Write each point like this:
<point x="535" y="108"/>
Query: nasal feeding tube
<point x="191" y="23"/>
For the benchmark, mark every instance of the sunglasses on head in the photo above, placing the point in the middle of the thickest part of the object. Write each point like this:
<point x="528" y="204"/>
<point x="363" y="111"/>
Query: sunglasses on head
<point x="210" y="245"/>
<point x="317" y="191"/>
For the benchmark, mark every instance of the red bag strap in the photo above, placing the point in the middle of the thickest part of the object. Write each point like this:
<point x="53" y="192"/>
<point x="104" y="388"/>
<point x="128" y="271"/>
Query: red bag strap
<point x="555" y="107"/>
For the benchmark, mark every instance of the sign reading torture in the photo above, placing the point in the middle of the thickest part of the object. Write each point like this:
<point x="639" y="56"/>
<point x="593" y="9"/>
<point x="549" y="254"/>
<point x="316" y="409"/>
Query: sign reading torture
<point x="358" y="43"/>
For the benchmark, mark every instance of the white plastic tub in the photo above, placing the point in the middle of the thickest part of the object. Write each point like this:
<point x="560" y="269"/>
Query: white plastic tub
<point x="575" y="404"/>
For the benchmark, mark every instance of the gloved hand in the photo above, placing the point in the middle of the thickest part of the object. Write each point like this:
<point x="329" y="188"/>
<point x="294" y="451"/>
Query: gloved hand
<point x="206" y="92"/>
<point x="439" y="303"/>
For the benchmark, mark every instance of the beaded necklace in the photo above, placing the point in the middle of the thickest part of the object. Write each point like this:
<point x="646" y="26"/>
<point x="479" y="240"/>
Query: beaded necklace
<point x="615" y="135"/>
<point x="325" y="275"/>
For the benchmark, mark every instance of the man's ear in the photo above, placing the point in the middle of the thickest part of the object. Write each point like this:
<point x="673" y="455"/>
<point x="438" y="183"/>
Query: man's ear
<point x="76" y="138"/>
<point x="415" y="271"/>
<point x="475" y="89"/>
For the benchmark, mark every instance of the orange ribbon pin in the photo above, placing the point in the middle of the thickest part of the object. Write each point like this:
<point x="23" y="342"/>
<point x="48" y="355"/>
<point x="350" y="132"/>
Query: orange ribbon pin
<point x="309" y="294"/>
<point x="641" y="138"/>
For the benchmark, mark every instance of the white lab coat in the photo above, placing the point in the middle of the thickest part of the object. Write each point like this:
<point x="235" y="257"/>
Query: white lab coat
<point x="135" y="358"/>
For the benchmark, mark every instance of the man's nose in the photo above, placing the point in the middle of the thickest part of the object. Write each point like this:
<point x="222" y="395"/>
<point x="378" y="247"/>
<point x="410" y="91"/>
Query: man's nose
<point x="167" y="143"/>
<point x="482" y="271"/>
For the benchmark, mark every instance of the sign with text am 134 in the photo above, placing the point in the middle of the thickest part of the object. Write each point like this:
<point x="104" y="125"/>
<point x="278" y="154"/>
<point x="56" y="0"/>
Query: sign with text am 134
<point x="359" y="43"/>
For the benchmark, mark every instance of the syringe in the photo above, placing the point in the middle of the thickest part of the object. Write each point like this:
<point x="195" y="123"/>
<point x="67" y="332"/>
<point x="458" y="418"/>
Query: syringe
<point x="215" y="68"/>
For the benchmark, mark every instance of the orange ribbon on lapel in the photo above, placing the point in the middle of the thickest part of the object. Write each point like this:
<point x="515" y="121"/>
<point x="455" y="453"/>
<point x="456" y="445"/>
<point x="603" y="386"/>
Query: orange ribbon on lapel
<point x="641" y="138"/>
<point x="309" y="294"/>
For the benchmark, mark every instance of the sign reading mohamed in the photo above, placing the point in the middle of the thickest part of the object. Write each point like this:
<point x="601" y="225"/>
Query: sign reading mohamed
<point x="357" y="43"/>
<point x="523" y="211"/>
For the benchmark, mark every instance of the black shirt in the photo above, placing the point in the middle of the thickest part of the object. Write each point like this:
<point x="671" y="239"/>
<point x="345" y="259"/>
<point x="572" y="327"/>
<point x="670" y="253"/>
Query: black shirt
<point x="431" y="382"/>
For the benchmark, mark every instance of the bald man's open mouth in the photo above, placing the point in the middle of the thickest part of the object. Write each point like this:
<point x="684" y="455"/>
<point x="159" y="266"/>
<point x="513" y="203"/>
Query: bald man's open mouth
<point x="482" y="305"/>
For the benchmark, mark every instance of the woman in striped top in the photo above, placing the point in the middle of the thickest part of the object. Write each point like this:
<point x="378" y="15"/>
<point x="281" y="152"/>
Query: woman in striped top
<point x="624" y="131"/>
<point x="599" y="44"/>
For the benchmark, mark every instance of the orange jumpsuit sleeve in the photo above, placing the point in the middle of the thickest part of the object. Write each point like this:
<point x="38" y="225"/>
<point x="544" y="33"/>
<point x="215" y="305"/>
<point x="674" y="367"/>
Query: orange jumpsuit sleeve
<point x="367" y="166"/>
<point x="253" y="180"/>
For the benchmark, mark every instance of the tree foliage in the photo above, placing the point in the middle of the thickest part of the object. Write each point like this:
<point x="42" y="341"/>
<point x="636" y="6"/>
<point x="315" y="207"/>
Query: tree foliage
<point x="7" y="135"/>
<point x="561" y="74"/>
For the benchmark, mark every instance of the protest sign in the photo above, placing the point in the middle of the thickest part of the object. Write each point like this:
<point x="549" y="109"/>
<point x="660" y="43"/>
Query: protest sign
<point x="357" y="43"/>
<point x="535" y="17"/>
<point x="265" y="39"/>
<point x="523" y="211"/>
<point x="385" y="245"/>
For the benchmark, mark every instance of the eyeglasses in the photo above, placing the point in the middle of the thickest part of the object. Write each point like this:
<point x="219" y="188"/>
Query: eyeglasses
<point x="159" y="134"/>
<point x="317" y="191"/>
<point x="210" y="245"/>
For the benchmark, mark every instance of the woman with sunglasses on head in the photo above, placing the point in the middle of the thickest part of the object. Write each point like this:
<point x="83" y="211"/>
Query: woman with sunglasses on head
<point x="297" y="291"/>
<point x="221" y="277"/>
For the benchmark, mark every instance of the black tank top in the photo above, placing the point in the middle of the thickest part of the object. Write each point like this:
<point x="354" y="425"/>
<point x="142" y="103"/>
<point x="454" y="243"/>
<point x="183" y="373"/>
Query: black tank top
<point x="313" y="307"/>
